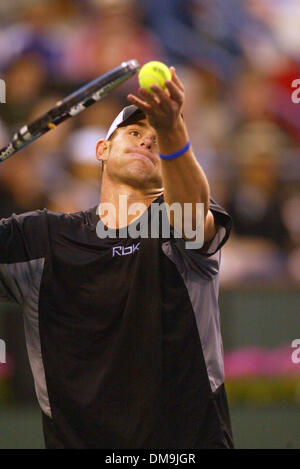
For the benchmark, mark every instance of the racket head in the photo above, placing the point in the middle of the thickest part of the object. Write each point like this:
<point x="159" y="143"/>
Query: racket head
<point x="70" y="106"/>
<point x="99" y="88"/>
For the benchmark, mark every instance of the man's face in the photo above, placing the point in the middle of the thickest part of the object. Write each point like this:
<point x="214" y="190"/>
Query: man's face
<point x="132" y="156"/>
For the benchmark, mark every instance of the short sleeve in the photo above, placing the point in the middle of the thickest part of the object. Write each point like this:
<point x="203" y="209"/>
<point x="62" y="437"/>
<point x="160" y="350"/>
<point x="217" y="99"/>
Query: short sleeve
<point x="23" y="245"/>
<point x="223" y="223"/>
<point x="204" y="262"/>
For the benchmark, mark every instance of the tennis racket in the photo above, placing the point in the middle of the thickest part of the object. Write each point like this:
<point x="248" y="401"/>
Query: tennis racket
<point x="70" y="107"/>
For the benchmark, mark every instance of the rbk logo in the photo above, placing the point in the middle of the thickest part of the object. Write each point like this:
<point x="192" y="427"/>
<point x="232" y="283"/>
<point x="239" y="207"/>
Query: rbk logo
<point x="122" y="251"/>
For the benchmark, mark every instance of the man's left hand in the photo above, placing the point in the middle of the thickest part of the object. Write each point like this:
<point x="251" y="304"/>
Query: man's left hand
<point x="162" y="107"/>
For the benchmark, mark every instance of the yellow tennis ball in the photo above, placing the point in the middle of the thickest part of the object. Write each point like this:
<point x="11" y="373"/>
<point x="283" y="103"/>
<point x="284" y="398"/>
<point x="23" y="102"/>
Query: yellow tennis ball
<point x="154" y="73"/>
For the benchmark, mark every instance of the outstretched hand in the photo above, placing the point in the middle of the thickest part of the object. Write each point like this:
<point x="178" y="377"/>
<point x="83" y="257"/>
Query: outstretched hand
<point x="162" y="107"/>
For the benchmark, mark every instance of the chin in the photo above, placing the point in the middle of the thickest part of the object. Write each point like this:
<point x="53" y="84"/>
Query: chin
<point x="139" y="173"/>
<point x="140" y="178"/>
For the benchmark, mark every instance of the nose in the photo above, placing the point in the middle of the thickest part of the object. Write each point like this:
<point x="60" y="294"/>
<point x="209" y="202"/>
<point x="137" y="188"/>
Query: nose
<point x="147" y="143"/>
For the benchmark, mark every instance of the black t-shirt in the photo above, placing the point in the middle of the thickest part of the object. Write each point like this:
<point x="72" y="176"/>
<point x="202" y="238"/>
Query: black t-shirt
<point x="123" y="335"/>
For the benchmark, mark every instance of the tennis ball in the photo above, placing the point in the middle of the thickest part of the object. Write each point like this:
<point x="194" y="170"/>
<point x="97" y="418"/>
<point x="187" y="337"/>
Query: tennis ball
<point x="154" y="73"/>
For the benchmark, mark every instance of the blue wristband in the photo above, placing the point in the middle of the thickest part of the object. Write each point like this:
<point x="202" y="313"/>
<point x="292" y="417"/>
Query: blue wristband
<point x="172" y="156"/>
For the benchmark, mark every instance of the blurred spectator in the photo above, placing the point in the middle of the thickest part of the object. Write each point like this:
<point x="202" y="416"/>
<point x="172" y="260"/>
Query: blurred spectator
<point x="114" y="34"/>
<point x="207" y="117"/>
<point x="82" y="189"/>
<point x="20" y="186"/>
<point x="25" y="80"/>
<point x="256" y="198"/>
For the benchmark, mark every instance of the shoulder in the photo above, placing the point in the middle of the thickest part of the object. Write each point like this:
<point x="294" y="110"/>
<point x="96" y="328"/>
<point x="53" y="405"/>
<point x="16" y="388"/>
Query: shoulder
<point x="39" y="223"/>
<point x="75" y="219"/>
<point x="25" y="223"/>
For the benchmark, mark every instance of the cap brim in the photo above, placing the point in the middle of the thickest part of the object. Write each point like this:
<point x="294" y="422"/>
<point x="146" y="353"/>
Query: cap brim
<point x="127" y="116"/>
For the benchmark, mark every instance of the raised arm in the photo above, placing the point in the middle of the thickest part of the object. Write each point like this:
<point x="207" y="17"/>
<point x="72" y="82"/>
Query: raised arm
<point x="183" y="178"/>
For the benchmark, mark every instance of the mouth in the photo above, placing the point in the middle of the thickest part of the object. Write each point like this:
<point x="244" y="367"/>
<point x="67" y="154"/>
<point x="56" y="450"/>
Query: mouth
<point x="144" y="154"/>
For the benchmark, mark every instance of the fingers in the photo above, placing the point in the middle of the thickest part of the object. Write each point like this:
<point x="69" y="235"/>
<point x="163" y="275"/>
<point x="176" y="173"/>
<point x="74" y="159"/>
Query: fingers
<point x="176" y="79"/>
<point x="160" y="98"/>
<point x="139" y="103"/>
<point x="161" y="95"/>
<point x="172" y="92"/>
<point x="175" y="92"/>
<point x="174" y="88"/>
<point x="150" y="98"/>
<point x="150" y="101"/>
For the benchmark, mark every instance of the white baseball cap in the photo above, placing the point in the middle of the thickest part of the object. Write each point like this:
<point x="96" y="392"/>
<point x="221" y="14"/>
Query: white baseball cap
<point x="128" y="115"/>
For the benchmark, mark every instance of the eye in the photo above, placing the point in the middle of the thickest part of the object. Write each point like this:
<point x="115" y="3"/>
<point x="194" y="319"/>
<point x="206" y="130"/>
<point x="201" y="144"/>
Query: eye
<point x="135" y="133"/>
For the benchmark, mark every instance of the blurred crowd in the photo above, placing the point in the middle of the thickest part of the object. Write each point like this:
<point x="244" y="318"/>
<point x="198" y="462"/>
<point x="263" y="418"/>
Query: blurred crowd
<point x="237" y="60"/>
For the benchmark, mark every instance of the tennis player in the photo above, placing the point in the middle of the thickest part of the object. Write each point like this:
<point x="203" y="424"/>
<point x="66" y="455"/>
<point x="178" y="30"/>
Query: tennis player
<point x="123" y="334"/>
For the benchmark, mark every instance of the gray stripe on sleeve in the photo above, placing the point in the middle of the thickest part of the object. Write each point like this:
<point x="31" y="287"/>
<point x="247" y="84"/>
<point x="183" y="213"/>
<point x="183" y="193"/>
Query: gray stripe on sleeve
<point x="33" y="341"/>
<point x="203" y="292"/>
<point x="15" y="280"/>
<point x="21" y="282"/>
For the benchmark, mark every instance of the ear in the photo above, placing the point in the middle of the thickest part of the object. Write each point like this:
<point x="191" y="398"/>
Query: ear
<point x="102" y="150"/>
